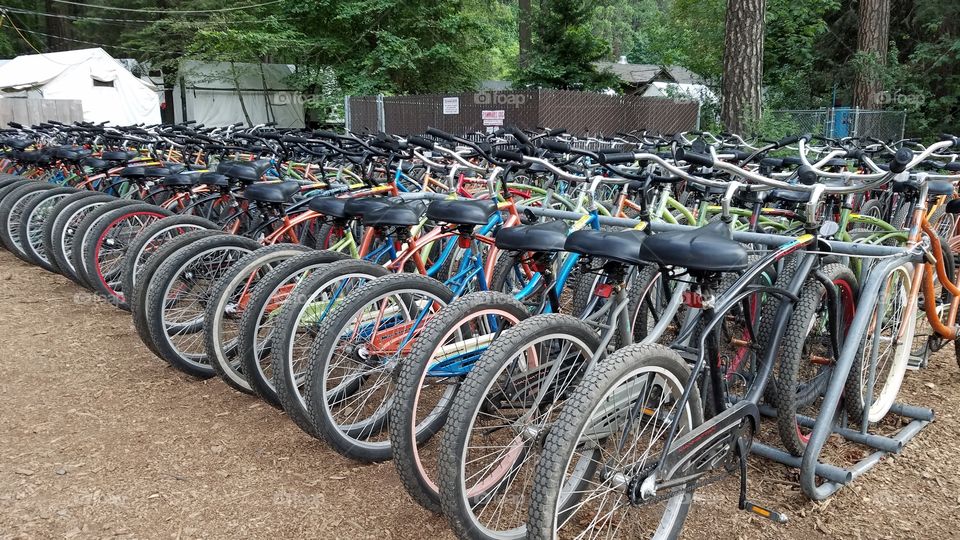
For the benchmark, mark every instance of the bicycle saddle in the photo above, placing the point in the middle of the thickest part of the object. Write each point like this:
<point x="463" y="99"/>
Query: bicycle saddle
<point x="706" y="249"/>
<point x="462" y="212"/>
<point x="621" y="246"/>
<point x="548" y="237"/>
<point x="272" y="192"/>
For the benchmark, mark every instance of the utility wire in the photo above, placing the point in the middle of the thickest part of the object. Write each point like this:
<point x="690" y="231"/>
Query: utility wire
<point x="168" y="11"/>
<point x="115" y="20"/>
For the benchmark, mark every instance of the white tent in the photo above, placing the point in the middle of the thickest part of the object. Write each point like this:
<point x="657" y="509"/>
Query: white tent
<point x="108" y="92"/>
<point x="223" y="93"/>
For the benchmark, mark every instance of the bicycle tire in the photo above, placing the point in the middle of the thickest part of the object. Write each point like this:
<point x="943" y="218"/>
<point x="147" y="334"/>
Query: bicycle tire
<point x="221" y="354"/>
<point x="63" y="227"/>
<point x="547" y="508"/>
<point x="138" y="297"/>
<point x="81" y="237"/>
<point x="100" y="234"/>
<point x="203" y="277"/>
<point x="152" y="238"/>
<point x="795" y="353"/>
<point x="355" y="437"/>
<point x="38" y="213"/>
<point x="409" y="430"/>
<point x="255" y="360"/>
<point x="11" y="209"/>
<point x="288" y="358"/>
<point x="478" y="397"/>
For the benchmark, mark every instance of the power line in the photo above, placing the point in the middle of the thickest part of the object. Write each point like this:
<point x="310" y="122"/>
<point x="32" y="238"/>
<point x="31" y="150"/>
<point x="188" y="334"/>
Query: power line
<point x="27" y="41"/>
<point x="104" y="45"/>
<point x="115" y="20"/>
<point x="169" y="11"/>
<point x="81" y="41"/>
<point x="72" y="17"/>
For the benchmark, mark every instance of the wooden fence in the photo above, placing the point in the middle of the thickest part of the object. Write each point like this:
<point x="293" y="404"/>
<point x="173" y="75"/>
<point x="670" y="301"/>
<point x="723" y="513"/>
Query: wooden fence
<point x="28" y="111"/>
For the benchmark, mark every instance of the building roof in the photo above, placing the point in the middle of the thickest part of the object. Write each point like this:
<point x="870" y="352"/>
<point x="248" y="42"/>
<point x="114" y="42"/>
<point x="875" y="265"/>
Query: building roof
<point x="638" y="74"/>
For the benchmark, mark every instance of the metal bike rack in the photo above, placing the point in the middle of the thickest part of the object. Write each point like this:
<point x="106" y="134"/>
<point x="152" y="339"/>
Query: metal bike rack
<point x="828" y="422"/>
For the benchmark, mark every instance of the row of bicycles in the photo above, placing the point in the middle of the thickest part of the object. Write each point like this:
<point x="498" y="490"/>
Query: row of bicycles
<point x="550" y="336"/>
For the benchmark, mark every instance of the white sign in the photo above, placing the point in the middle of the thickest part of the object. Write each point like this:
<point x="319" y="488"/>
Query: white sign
<point x="493" y="118"/>
<point x="451" y="105"/>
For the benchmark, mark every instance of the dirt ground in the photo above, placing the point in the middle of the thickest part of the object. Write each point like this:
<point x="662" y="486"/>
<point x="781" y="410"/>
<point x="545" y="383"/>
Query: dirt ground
<point x="98" y="438"/>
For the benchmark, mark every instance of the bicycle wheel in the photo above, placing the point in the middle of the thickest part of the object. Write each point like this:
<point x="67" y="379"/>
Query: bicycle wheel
<point x="884" y="349"/>
<point x="137" y="298"/>
<point x="326" y="288"/>
<point x="81" y="237"/>
<point x="505" y="407"/>
<point x="151" y="238"/>
<point x="110" y="237"/>
<point x="613" y="427"/>
<point x="36" y="215"/>
<point x="806" y="355"/>
<point x="57" y="215"/>
<point x="64" y="231"/>
<point x="228" y="301"/>
<point x="427" y="380"/>
<point x="351" y="362"/>
<point x="178" y="294"/>
<point x="266" y="304"/>
<point x="11" y="214"/>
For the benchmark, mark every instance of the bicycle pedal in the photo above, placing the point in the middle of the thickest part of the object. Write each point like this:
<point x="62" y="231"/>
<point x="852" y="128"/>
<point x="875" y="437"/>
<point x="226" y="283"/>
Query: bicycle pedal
<point x="914" y="363"/>
<point x="773" y="516"/>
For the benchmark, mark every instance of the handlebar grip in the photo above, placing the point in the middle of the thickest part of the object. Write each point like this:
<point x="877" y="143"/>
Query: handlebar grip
<point x="556" y="131"/>
<point x="386" y="145"/>
<point x="293" y="139"/>
<point x="807" y="175"/>
<point x="518" y="134"/>
<point x="420" y="141"/>
<point x="15" y="125"/>
<point x="786" y="141"/>
<point x="508" y="155"/>
<point x="703" y="160"/>
<point x="556" y="146"/>
<point x="854" y="153"/>
<point x="901" y="159"/>
<point x="440" y="134"/>
<point x="619" y="157"/>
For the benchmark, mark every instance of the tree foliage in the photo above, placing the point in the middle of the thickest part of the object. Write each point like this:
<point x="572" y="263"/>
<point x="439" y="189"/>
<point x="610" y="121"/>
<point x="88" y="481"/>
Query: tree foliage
<point x="565" y="48"/>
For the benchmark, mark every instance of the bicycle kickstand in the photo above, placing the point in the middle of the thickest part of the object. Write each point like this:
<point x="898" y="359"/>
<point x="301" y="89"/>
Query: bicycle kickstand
<point x="773" y="516"/>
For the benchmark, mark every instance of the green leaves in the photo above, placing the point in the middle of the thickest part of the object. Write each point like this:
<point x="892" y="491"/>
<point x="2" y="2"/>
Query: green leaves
<point x="565" y="48"/>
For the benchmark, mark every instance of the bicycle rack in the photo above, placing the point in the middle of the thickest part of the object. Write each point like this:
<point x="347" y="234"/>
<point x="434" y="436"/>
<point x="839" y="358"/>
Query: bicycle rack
<point x="828" y="422"/>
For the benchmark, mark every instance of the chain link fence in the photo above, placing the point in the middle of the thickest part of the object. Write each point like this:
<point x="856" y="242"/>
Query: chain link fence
<point x="836" y="122"/>
<point x="581" y="113"/>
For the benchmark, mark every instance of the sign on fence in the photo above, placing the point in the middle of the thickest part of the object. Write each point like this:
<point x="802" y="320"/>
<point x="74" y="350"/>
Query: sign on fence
<point x="493" y="118"/>
<point x="451" y="105"/>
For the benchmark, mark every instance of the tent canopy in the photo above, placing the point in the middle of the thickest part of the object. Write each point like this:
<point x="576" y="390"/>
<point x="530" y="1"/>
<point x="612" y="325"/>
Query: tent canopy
<point x="108" y="91"/>
<point x="222" y="93"/>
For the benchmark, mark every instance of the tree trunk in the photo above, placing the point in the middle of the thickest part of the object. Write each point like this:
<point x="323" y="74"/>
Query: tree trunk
<point x="523" y="24"/>
<point x="56" y="27"/>
<point x="873" y="35"/>
<point x="742" y="63"/>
